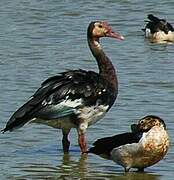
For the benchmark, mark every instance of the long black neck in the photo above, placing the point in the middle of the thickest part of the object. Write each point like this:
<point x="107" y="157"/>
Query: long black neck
<point x="106" y="68"/>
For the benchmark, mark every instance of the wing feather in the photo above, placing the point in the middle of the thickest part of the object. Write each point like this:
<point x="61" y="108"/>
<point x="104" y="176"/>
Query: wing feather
<point x="104" y="146"/>
<point x="46" y="103"/>
<point x="155" y="24"/>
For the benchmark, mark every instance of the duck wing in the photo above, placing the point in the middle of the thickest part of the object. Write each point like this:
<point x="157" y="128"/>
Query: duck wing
<point x="104" y="146"/>
<point x="155" y="24"/>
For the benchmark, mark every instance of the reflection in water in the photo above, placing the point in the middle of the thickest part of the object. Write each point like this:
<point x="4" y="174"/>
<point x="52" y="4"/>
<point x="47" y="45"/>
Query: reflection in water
<point x="71" y="168"/>
<point x="67" y="169"/>
<point x="140" y="176"/>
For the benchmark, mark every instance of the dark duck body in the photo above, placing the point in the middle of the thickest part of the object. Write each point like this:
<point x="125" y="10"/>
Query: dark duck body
<point x="76" y="98"/>
<point x="158" y="30"/>
<point x="144" y="146"/>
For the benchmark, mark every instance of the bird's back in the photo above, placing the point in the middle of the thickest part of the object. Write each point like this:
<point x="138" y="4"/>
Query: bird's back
<point x="62" y="96"/>
<point x="158" y="30"/>
<point x="104" y="146"/>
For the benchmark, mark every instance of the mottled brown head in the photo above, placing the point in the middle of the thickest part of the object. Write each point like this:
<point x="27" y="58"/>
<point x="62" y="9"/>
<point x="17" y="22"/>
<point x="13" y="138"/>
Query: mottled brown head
<point x="98" y="29"/>
<point x="146" y="123"/>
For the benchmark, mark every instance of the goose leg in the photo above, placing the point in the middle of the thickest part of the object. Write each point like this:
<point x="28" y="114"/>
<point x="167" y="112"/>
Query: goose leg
<point x="65" y="141"/>
<point x="82" y="143"/>
<point x="81" y="138"/>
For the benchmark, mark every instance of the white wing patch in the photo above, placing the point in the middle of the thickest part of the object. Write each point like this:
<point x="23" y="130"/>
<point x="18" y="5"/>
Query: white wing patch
<point x="88" y="115"/>
<point x="70" y="103"/>
<point x="67" y="102"/>
<point x="148" y="33"/>
<point x="92" y="114"/>
<point x="159" y="36"/>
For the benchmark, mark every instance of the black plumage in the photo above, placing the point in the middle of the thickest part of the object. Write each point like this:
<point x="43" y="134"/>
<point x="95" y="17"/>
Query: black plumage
<point x="104" y="146"/>
<point x="155" y="24"/>
<point x="77" y="84"/>
<point x="76" y="98"/>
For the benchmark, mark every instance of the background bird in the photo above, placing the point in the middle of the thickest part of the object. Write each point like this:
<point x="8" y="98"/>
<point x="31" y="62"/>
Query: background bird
<point x="158" y="30"/>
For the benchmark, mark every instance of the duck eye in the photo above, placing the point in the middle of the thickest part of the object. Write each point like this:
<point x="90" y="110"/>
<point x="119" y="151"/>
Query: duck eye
<point x="141" y="122"/>
<point x="100" y="26"/>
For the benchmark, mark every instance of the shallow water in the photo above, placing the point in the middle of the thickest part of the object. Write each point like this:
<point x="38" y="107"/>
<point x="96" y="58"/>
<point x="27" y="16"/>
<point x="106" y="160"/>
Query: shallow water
<point x="41" y="38"/>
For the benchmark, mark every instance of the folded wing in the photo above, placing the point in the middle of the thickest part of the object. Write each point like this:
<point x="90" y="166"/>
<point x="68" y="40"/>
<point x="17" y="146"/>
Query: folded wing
<point x="60" y="96"/>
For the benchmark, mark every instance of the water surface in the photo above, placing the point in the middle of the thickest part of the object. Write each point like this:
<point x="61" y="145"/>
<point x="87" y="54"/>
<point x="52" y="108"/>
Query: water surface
<point x="41" y="38"/>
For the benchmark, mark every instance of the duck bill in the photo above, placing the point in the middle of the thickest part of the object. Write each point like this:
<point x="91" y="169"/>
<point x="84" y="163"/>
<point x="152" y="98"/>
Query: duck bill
<point x="134" y="128"/>
<point x="114" y="35"/>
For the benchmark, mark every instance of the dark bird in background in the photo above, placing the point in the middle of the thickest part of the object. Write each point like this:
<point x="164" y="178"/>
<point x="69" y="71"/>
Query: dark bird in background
<point x="76" y="98"/>
<point x="144" y="146"/>
<point x="158" y="30"/>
